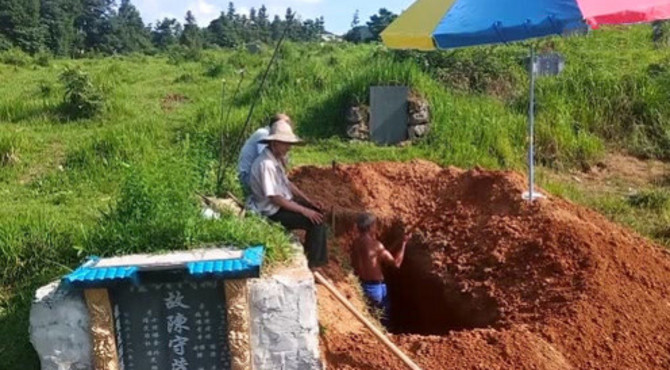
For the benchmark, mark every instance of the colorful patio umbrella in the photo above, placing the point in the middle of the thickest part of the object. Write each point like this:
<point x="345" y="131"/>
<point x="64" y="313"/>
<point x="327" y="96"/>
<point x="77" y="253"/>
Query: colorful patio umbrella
<point x="443" y="24"/>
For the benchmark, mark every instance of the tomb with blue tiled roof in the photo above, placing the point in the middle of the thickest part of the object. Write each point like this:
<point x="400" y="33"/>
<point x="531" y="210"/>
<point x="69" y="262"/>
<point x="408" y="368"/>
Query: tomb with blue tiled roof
<point x="170" y="310"/>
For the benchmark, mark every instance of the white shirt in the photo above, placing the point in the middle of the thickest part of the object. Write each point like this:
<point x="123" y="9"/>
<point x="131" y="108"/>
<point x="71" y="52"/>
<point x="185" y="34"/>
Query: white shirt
<point x="268" y="178"/>
<point x="252" y="149"/>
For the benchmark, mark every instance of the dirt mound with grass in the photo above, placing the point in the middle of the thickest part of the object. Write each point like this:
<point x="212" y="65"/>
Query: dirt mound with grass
<point x="491" y="281"/>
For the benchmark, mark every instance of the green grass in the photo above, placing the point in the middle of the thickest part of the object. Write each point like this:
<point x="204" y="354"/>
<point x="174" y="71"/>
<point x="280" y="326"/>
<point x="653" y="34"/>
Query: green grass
<point x="125" y="180"/>
<point x="646" y="210"/>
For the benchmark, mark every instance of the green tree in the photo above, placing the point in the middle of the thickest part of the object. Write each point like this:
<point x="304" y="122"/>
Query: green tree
<point x="312" y="29"/>
<point x="252" y="29"/>
<point x="191" y="36"/>
<point x="293" y="25"/>
<point x="57" y="18"/>
<point x="276" y="28"/>
<point x="221" y="32"/>
<point x="95" y="24"/>
<point x="232" y="13"/>
<point x="378" y="22"/>
<point x="20" y="24"/>
<point x="263" y="22"/>
<point x="166" y="33"/>
<point x="356" y="21"/>
<point x="130" y="30"/>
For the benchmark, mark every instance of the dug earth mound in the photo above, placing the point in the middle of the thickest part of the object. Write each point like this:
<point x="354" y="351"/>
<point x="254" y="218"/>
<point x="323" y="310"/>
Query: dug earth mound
<point x="490" y="281"/>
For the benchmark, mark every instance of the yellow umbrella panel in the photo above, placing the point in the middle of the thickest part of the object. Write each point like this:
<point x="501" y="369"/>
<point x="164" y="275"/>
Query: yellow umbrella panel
<point x="414" y="28"/>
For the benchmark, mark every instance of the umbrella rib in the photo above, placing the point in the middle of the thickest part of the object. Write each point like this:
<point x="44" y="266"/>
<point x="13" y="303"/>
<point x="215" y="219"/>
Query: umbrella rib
<point x="553" y="24"/>
<point x="526" y="27"/>
<point x="496" y="26"/>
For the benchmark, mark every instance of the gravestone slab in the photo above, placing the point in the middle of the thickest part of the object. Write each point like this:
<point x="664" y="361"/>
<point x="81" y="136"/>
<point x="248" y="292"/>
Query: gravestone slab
<point x="388" y="107"/>
<point x="178" y="325"/>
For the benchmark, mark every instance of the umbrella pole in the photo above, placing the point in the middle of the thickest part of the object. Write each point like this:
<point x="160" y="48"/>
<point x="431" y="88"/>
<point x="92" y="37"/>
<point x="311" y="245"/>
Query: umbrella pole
<point x="531" y="195"/>
<point x="531" y="126"/>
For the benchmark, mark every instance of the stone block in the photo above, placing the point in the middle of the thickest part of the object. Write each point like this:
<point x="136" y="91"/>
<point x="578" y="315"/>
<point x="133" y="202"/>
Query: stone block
<point x="59" y="328"/>
<point x="285" y="331"/>
<point x="416" y="132"/>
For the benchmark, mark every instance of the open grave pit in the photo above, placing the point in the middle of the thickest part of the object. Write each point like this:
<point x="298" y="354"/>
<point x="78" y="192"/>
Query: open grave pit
<point x="488" y="275"/>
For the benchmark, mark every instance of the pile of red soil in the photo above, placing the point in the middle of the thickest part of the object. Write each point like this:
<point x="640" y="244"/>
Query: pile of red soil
<point x="491" y="281"/>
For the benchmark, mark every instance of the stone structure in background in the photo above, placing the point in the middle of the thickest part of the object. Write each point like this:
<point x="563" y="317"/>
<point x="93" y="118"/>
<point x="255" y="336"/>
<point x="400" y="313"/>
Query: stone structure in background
<point x="418" y="121"/>
<point x="357" y="122"/>
<point x="419" y="118"/>
<point x="261" y="323"/>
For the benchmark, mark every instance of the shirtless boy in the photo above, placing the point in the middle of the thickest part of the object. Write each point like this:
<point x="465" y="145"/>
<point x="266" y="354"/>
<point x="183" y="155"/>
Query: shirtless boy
<point x="367" y="257"/>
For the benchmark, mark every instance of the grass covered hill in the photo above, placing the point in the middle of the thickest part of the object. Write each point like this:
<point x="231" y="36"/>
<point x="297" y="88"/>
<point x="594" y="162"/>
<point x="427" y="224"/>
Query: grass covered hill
<point x="115" y="166"/>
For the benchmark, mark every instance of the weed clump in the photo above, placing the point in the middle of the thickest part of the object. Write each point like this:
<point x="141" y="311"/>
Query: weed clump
<point x="8" y="151"/>
<point x="82" y="98"/>
<point x="650" y="199"/>
<point x="214" y="69"/>
<point x="186" y="78"/>
<point x="108" y="150"/>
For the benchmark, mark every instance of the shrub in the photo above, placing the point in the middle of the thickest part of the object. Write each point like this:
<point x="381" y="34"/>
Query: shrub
<point x="214" y="69"/>
<point x="45" y="88"/>
<point x="178" y="54"/>
<point x="42" y="59"/>
<point x="82" y="98"/>
<point x="661" y="33"/>
<point x="5" y="44"/>
<point x="15" y="57"/>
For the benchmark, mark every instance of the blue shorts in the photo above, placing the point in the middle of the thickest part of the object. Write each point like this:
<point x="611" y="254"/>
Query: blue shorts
<point x="377" y="294"/>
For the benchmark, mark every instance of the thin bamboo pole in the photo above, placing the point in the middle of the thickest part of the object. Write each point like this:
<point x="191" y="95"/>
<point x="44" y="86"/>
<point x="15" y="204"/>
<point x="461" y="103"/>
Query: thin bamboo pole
<point x="396" y="351"/>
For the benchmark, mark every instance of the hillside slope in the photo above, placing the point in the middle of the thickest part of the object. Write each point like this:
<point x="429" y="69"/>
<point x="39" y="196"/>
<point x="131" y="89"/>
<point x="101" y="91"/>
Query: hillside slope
<point x="124" y="181"/>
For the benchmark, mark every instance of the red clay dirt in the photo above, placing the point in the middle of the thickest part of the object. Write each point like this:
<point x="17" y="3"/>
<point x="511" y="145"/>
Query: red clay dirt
<point x="489" y="280"/>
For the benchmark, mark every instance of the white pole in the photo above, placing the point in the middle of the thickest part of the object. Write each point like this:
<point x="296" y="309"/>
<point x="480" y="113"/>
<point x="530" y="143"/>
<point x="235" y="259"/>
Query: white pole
<point x="531" y="124"/>
<point x="531" y="195"/>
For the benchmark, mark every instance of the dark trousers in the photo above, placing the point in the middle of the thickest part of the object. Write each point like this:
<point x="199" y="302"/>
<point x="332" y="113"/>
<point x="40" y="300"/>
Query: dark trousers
<point x="315" y="241"/>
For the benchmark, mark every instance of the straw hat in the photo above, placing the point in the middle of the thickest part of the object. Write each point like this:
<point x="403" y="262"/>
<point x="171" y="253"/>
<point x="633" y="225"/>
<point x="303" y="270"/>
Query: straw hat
<point x="281" y="131"/>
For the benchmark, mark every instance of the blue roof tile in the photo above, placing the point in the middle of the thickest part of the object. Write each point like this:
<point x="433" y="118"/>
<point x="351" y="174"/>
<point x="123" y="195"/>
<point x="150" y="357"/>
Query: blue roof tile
<point x="248" y="265"/>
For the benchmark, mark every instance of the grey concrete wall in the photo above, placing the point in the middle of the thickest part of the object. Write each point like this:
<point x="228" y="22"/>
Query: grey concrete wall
<point x="59" y="328"/>
<point x="284" y="319"/>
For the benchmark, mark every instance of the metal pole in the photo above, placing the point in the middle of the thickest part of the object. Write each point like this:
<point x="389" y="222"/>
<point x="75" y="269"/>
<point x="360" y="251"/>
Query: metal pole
<point x="531" y="124"/>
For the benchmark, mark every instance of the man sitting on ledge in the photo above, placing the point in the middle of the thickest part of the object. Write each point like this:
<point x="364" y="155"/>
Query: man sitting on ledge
<point x="274" y="196"/>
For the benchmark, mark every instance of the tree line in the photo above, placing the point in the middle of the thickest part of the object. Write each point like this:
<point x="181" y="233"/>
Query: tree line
<point x="76" y="27"/>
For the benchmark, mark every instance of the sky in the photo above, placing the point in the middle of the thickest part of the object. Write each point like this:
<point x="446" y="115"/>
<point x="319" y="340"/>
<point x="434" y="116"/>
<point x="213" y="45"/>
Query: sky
<point x="337" y="13"/>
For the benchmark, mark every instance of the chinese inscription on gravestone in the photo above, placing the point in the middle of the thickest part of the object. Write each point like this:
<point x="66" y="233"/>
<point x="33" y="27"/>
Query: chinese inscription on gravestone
<point x="175" y="326"/>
